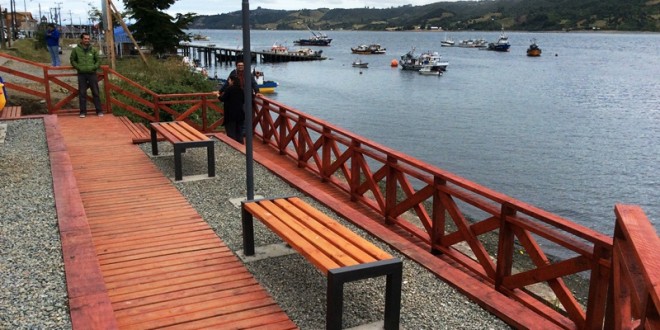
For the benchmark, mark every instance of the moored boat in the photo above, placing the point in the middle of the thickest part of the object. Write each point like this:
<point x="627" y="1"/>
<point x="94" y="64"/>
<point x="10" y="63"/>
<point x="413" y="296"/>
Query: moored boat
<point x="368" y="49"/>
<point x="447" y="42"/>
<point x="501" y="45"/>
<point x="430" y="70"/>
<point x="410" y="61"/>
<point x="473" y="43"/>
<point x="533" y="50"/>
<point x="360" y="64"/>
<point x="265" y="86"/>
<point x="317" y="39"/>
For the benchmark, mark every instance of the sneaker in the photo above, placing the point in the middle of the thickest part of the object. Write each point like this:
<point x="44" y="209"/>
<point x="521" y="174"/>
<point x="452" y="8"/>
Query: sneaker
<point x="100" y="114"/>
<point x="82" y="115"/>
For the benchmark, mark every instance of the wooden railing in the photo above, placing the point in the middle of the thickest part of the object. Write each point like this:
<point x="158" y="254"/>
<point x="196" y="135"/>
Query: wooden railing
<point x="635" y="283"/>
<point x="445" y="213"/>
<point x="119" y="93"/>
<point x="432" y="206"/>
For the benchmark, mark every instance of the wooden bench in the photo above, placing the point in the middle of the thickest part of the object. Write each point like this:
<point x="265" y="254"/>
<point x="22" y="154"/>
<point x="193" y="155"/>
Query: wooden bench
<point x="139" y="131"/>
<point x="182" y="136"/>
<point x="341" y="255"/>
<point x="10" y="112"/>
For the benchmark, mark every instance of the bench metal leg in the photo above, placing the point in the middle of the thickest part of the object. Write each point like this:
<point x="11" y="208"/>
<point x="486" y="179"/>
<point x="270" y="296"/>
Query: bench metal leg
<point x="248" y="231"/>
<point x="210" y="154"/>
<point x="392" y="269"/>
<point x="178" y="171"/>
<point x="154" y="142"/>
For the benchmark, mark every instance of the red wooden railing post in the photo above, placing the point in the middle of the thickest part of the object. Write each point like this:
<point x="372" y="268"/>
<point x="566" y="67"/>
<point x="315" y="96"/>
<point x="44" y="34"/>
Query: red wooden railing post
<point x="390" y="188"/>
<point x="438" y="215"/>
<point x="356" y="164"/>
<point x="49" y="100"/>
<point x="281" y="123"/>
<point x="301" y="149"/>
<point x="106" y="88"/>
<point x="505" y="248"/>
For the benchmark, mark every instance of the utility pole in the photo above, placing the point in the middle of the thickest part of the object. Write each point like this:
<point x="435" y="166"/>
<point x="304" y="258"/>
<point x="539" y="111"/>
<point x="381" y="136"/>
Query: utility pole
<point x="59" y="12"/>
<point x="109" y="33"/>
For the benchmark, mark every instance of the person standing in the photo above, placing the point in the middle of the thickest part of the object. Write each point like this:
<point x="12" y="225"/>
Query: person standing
<point x="233" y="101"/>
<point x="53" y="44"/>
<point x="85" y="59"/>
<point x="238" y="72"/>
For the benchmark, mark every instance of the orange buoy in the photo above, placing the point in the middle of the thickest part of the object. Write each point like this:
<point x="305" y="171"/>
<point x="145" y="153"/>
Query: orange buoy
<point x="394" y="63"/>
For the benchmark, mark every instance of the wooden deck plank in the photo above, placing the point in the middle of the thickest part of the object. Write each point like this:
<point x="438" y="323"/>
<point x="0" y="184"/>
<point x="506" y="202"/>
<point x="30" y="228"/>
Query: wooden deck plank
<point x="157" y="263"/>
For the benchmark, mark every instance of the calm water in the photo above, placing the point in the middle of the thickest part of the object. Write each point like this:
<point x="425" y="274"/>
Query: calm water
<point x="573" y="132"/>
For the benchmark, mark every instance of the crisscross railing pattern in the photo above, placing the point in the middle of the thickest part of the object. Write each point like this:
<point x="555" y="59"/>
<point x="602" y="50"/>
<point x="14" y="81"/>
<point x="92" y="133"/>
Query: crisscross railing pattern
<point x="432" y="206"/>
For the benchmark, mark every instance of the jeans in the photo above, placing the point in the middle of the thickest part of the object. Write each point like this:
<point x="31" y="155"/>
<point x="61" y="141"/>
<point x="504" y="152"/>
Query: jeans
<point x="54" y="55"/>
<point x="88" y="80"/>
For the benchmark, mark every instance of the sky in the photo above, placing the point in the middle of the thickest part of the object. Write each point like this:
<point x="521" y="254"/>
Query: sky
<point x="76" y="10"/>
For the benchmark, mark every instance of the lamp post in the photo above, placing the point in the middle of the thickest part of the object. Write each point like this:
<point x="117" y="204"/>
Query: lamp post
<point x="247" y="106"/>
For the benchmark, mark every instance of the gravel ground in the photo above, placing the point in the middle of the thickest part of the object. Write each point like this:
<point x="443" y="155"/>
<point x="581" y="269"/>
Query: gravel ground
<point x="33" y="294"/>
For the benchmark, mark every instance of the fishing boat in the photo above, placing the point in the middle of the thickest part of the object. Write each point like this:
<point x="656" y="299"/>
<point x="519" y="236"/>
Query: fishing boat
<point x="447" y="42"/>
<point x="360" y="64"/>
<point x="369" y="49"/>
<point x="410" y="61"/>
<point x="198" y="36"/>
<point x="430" y="70"/>
<point x="317" y="39"/>
<point x="501" y="45"/>
<point x="533" y="50"/>
<point x="473" y="43"/>
<point x="265" y="86"/>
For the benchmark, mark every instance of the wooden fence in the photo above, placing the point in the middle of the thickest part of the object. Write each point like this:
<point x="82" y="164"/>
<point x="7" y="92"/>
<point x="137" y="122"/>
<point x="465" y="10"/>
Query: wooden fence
<point x="447" y="214"/>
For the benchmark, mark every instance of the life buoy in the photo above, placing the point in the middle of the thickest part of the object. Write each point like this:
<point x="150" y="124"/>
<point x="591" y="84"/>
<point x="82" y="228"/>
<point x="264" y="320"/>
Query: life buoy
<point x="3" y="99"/>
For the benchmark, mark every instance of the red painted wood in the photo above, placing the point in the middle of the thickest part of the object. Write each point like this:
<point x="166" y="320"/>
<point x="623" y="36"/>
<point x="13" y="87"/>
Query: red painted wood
<point x="136" y="253"/>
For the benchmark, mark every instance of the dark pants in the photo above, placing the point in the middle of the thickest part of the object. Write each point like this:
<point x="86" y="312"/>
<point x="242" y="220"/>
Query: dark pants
<point x="234" y="130"/>
<point x="88" y="80"/>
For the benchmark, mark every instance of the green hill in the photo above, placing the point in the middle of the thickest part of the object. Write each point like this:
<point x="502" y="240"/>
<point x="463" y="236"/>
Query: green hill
<point x="527" y="15"/>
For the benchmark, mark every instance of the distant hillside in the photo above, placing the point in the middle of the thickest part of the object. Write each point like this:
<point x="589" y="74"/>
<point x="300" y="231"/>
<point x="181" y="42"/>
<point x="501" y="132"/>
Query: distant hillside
<point x="528" y="15"/>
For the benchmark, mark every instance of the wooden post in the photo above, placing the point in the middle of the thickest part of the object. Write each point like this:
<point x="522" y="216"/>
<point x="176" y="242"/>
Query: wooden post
<point x="109" y="35"/>
<point x="114" y="10"/>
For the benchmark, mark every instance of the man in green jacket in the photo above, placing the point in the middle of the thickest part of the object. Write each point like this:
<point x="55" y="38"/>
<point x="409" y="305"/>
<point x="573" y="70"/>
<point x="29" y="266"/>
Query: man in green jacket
<point x="86" y="61"/>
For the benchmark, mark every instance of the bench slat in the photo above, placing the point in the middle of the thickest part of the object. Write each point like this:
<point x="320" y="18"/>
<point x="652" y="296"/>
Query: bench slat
<point x="299" y="243"/>
<point x="367" y="246"/>
<point x="315" y="236"/>
<point x="331" y="232"/>
<point x="184" y="132"/>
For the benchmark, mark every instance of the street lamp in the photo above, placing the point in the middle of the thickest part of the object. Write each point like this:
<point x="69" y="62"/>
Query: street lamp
<point x="247" y="106"/>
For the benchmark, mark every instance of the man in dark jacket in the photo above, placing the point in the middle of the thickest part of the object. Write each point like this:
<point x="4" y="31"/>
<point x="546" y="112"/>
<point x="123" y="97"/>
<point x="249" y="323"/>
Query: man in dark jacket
<point x="238" y="72"/>
<point x="86" y="61"/>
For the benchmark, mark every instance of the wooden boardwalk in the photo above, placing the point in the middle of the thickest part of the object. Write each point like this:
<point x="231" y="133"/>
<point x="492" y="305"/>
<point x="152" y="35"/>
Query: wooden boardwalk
<point x="137" y="255"/>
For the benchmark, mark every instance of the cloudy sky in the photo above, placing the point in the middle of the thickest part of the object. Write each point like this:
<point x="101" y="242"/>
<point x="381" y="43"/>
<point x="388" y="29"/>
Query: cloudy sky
<point x="76" y="10"/>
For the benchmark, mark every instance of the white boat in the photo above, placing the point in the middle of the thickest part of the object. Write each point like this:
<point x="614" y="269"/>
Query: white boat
<point x="448" y="42"/>
<point x="473" y="43"/>
<point x="360" y="64"/>
<point x="430" y="70"/>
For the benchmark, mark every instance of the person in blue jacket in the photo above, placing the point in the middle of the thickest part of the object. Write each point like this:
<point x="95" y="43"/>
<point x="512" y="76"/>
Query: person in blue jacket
<point x="53" y="44"/>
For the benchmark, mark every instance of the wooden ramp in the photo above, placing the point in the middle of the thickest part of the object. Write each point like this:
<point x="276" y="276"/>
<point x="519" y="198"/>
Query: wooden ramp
<point x="155" y="262"/>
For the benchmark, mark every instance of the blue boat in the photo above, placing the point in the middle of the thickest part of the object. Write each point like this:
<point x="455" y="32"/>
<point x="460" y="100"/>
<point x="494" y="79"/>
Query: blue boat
<point x="501" y="45"/>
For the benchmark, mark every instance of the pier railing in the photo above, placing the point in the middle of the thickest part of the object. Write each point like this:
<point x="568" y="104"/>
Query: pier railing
<point x="454" y="217"/>
<point x="503" y="242"/>
<point x="634" y="302"/>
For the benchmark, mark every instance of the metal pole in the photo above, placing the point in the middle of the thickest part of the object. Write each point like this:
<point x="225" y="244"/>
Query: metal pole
<point x="247" y="106"/>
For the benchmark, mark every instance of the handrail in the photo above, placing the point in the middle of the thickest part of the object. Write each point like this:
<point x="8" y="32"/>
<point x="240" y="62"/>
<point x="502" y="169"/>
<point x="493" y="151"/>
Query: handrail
<point x="432" y="205"/>
<point x="635" y="280"/>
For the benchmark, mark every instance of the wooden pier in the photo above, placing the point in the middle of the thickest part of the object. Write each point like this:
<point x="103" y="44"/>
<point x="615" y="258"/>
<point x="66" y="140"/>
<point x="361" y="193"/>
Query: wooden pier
<point x="210" y="55"/>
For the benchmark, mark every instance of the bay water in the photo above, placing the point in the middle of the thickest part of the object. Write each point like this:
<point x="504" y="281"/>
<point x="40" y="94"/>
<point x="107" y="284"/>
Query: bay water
<point x="573" y="132"/>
